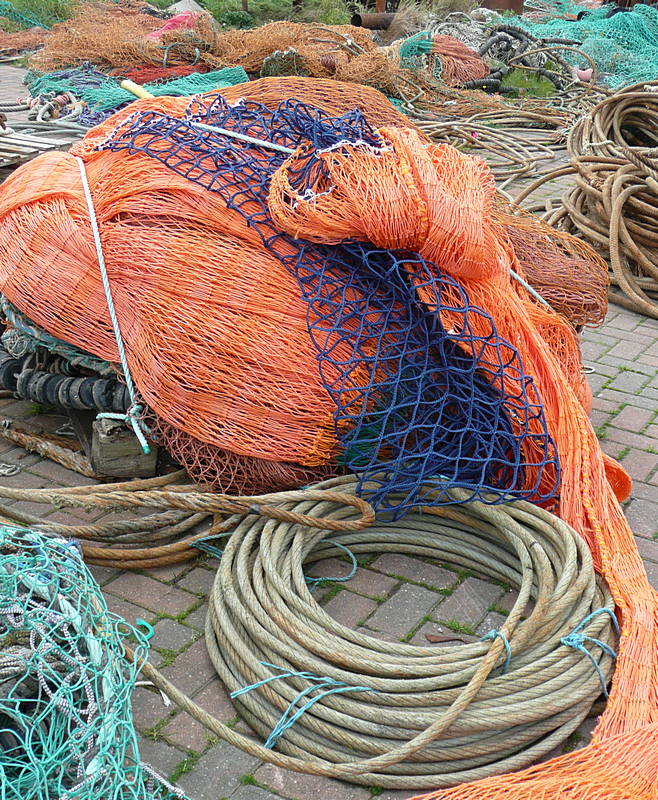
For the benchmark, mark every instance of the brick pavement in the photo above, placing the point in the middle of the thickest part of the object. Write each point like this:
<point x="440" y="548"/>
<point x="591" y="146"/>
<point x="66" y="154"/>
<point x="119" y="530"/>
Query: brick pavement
<point x="393" y="596"/>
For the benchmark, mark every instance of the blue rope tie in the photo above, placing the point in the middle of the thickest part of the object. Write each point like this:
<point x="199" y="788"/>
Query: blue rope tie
<point x="131" y="417"/>
<point x="576" y="640"/>
<point x="288" y="718"/>
<point x="355" y="566"/>
<point x="494" y="634"/>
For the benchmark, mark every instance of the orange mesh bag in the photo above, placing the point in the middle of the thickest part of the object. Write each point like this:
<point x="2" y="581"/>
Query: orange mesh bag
<point x="566" y="271"/>
<point x="459" y="63"/>
<point x="439" y="202"/>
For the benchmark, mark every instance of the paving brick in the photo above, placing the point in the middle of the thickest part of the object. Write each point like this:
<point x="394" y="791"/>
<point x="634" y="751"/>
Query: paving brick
<point x="151" y="593"/>
<point x="161" y="756"/>
<point x="103" y="574"/>
<point x="648" y="548"/>
<point x="391" y="794"/>
<point x="308" y="787"/>
<point x="404" y="610"/>
<point x="642" y="516"/>
<point x="199" y="580"/>
<point x="433" y="628"/>
<point x="415" y="570"/>
<point x="493" y="621"/>
<point x="171" y="635"/>
<point x="652" y="573"/>
<point x="59" y="474"/>
<point x="217" y="773"/>
<point x="185" y="731"/>
<point x="633" y="418"/>
<point x="169" y="573"/>
<point x="601" y="404"/>
<point x="640" y="464"/>
<point x="627" y="351"/>
<point x="469" y="603"/>
<point x="350" y="610"/>
<point x="127" y="610"/>
<point x="148" y="709"/>
<point x="365" y="581"/>
<point x="214" y="699"/>
<point x="630" y="439"/>
<point x="191" y="670"/>
<point x="628" y="382"/>
<point x="652" y="431"/>
<point x="251" y="793"/>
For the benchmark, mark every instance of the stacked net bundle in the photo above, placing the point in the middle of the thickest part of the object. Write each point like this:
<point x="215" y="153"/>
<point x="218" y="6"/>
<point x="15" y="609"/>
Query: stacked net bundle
<point x="443" y="57"/>
<point x="96" y="33"/>
<point x="624" y="46"/>
<point x="151" y="74"/>
<point x="102" y="94"/>
<point x="370" y="388"/>
<point x="66" y="727"/>
<point x="565" y="270"/>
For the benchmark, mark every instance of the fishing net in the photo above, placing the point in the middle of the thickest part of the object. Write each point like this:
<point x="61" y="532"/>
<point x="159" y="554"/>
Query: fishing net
<point x="22" y="41"/>
<point x="624" y="46"/>
<point x="9" y="12"/>
<point x="150" y="74"/>
<point x="378" y="384"/>
<point x="97" y="33"/>
<point x="66" y="727"/>
<point x="439" y="202"/>
<point x="443" y="57"/>
<point x="565" y="271"/>
<point x="102" y="93"/>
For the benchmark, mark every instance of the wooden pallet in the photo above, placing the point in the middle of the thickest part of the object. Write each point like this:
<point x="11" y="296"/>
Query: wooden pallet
<point x="18" y="147"/>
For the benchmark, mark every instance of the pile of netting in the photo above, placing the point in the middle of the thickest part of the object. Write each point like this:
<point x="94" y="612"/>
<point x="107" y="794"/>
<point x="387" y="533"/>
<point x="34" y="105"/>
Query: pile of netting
<point x="66" y="727"/>
<point x="16" y="42"/>
<point x="102" y="94"/>
<point x="624" y="45"/>
<point x="208" y="413"/>
<point x="442" y="56"/>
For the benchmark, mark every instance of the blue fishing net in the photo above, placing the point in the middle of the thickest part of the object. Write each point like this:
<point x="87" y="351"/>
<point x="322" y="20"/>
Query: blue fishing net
<point x="66" y="730"/>
<point x="624" y="46"/>
<point x="419" y="408"/>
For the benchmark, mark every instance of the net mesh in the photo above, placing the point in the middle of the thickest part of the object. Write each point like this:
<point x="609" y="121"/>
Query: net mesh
<point x="624" y="46"/>
<point x="378" y="384"/>
<point x="66" y="727"/>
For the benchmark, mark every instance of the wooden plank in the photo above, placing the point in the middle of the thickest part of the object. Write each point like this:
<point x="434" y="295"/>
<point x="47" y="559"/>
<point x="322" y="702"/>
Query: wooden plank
<point x="116" y="452"/>
<point x="28" y="139"/>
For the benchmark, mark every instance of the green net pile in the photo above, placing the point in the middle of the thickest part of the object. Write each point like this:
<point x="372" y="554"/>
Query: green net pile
<point x="414" y="52"/>
<point x="8" y="11"/>
<point x="624" y="47"/>
<point x="66" y="730"/>
<point x="103" y="93"/>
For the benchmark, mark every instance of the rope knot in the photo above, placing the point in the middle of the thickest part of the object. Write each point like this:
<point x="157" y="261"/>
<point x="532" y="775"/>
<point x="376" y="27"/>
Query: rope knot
<point x="494" y="634"/>
<point x="576" y="640"/>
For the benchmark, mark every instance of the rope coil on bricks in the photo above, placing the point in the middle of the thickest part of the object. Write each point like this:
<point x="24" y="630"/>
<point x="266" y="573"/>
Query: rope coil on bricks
<point x="614" y="200"/>
<point x="407" y="716"/>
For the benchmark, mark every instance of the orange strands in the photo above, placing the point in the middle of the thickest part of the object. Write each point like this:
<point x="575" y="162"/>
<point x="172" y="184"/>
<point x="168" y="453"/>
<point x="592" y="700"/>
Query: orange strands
<point x="459" y="63"/>
<point x="439" y="202"/>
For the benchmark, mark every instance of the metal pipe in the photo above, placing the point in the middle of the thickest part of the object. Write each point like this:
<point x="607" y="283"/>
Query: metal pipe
<point x="373" y="22"/>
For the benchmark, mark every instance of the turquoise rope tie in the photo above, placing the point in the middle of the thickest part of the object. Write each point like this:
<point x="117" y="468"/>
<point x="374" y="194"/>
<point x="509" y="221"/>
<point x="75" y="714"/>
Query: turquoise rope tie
<point x="494" y="634"/>
<point x="290" y="716"/>
<point x="132" y="416"/>
<point x="576" y="640"/>
<point x="355" y="566"/>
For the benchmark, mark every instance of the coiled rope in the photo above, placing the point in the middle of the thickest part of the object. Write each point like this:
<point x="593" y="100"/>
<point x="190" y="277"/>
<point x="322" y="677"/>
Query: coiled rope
<point x="392" y="714"/>
<point x="613" y="202"/>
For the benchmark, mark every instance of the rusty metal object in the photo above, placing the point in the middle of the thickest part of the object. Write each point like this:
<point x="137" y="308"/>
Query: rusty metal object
<point x="504" y="5"/>
<point x="372" y="22"/>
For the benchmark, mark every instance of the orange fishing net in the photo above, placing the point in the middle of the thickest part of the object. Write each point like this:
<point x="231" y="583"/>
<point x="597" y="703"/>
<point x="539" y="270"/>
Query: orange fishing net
<point x="439" y="202"/>
<point x="566" y="271"/>
<point x="22" y="41"/>
<point x="458" y="62"/>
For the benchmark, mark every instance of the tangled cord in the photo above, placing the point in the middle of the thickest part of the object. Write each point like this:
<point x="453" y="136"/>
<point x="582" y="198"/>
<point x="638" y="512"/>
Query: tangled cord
<point x="172" y="534"/>
<point x="613" y="202"/>
<point x="340" y="703"/>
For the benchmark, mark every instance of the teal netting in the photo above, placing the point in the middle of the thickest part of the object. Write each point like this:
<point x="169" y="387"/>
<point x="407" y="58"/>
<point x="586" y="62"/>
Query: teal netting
<point x="415" y="52"/>
<point x="8" y="11"/>
<point x="103" y="93"/>
<point x="624" y="46"/>
<point x="66" y="730"/>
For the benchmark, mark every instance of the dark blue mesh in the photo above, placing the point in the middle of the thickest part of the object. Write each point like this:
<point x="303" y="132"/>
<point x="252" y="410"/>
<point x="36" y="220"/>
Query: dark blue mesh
<point x="418" y="408"/>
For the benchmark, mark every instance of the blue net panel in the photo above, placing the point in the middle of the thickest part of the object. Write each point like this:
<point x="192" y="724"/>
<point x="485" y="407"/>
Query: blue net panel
<point x="419" y="408"/>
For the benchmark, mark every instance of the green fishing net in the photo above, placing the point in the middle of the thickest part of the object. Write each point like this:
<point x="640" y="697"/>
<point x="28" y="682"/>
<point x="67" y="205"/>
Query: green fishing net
<point x="103" y="93"/>
<point x="624" y="47"/>
<point x="8" y="11"/>
<point x="66" y="730"/>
